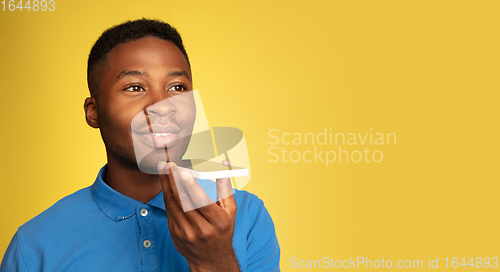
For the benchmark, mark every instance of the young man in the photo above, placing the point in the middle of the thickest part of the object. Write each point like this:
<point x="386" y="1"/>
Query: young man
<point x="129" y="220"/>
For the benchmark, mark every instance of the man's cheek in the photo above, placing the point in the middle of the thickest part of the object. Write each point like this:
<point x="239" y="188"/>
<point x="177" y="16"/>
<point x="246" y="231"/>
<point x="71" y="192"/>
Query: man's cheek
<point x="124" y="119"/>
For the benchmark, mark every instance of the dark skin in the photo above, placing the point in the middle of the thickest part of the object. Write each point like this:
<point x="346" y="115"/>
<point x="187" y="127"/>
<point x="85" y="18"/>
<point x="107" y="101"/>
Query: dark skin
<point x="160" y="71"/>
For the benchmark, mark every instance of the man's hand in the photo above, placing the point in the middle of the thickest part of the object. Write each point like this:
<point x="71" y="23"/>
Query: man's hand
<point x="202" y="235"/>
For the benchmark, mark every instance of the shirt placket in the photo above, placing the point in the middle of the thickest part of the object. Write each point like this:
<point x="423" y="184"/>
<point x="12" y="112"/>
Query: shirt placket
<point x="148" y="239"/>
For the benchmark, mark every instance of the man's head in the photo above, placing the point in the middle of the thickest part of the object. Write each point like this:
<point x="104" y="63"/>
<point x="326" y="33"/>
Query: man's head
<point x="140" y="68"/>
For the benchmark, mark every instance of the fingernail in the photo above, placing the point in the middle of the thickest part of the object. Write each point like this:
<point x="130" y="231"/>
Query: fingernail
<point x="185" y="175"/>
<point x="161" y="165"/>
<point x="171" y="164"/>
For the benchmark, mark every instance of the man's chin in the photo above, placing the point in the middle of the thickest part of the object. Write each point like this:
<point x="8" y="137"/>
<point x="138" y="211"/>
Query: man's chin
<point x="150" y="162"/>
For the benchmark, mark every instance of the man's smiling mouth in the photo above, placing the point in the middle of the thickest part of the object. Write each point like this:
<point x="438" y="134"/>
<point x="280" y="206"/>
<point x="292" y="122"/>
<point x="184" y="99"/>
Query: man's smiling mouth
<point x="159" y="140"/>
<point x="161" y="134"/>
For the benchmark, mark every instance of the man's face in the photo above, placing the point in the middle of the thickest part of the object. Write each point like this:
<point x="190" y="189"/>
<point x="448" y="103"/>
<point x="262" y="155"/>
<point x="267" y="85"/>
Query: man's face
<point x="151" y="78"/>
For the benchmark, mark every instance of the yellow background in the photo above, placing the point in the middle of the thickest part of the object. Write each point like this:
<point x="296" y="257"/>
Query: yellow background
<point x="425" y="70"/>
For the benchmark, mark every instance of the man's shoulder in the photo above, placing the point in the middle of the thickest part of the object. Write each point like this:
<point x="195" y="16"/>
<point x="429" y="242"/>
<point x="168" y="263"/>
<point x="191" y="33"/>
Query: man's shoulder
<point x="250" y="210"/>
<point x="65" y="211"/>
<point x="255" y="235"/>
<point x="248" y="201"/>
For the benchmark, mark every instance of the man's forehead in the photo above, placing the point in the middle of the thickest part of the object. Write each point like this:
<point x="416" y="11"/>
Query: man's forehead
<point x="148" y="49"/>
<point x="148" y="44"/>
<point x="143" y="56"/>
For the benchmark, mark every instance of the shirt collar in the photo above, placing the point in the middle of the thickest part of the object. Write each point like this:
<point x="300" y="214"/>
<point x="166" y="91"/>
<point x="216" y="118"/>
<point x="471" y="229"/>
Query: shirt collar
<point x="115" y="205"/>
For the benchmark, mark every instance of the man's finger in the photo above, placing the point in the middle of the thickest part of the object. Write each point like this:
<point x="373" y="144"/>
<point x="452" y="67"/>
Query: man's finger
<point x="225" y="194"/>
<point x="207" y="213"/>
<point x="225" y="197"/>
<point x="170" y="194"/>
<point x="198" y="196"/>
<point x="179" y="190"/>
<point x="224" y="186"/>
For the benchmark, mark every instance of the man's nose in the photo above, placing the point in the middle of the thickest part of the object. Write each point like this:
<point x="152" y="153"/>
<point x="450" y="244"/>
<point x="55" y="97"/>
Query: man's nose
<point x="162" y="105"/>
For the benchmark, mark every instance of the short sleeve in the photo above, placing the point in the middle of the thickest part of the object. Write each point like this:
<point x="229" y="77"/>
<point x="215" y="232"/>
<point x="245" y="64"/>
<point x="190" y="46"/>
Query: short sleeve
<point x="13" y="260"/>
<point x="263" y="251"/>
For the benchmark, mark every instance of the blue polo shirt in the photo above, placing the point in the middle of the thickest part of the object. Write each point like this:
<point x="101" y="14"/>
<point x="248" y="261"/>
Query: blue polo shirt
<point x="99" y="229"/>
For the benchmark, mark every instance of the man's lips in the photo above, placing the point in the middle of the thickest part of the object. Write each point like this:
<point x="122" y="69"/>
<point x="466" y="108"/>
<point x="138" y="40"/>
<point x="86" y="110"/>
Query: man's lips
<point x="146" y="129"/>
<point x="160" y="136"/>
<point x="159" y="140"/>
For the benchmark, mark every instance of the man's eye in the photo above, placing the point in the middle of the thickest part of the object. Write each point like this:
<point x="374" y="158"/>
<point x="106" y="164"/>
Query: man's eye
<point x="134" y="88"/>
<point x="177" y="88"/>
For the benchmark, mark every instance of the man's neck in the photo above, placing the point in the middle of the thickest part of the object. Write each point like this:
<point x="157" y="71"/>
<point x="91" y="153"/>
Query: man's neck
<point x="132" y="182"/>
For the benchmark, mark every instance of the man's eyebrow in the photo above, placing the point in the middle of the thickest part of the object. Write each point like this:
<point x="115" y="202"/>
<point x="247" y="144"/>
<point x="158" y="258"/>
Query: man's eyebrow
<point x="178" y="73"/>
<point x="125" y="73"/>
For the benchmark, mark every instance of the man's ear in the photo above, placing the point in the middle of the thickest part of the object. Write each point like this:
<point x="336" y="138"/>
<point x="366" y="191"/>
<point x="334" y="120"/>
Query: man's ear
<point x="90" y="107"/>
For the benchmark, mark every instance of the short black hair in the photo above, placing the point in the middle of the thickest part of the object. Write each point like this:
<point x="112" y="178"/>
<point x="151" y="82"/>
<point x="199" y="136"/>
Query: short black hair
<point x="127" y="32"/>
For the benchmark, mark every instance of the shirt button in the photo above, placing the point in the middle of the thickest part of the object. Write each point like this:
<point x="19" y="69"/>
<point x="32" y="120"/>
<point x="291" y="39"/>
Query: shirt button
<point x="146" y="243"/>
<point x="144" y="212"/>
